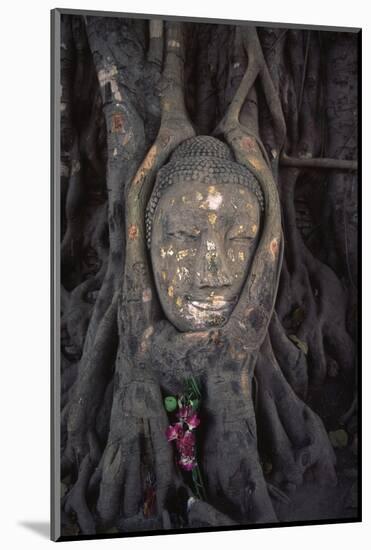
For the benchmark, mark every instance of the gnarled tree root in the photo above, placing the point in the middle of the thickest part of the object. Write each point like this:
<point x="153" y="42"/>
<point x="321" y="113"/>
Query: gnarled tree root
<point x="291" y="434"/>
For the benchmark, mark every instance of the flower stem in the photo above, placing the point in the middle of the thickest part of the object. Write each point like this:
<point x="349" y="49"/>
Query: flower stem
<point x="198" y="483"/>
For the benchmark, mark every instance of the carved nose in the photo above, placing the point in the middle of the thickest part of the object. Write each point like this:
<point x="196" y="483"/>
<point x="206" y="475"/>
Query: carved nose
<point x="211" y="268"/>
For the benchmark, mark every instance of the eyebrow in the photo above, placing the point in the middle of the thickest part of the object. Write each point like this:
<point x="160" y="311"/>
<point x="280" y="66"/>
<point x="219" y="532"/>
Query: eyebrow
<point x="191" y="216"/>
<point x="247" y="228"/>
<point x="173" y="225"/>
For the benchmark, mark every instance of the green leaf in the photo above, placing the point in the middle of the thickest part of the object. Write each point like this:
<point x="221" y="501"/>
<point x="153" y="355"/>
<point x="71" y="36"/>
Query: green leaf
<point x="303" y="346"/>
<point x="170" y="403"/>
<point x="195" y="404"/>
<point x="338" y="438"/>
<point x="195" y="386"/>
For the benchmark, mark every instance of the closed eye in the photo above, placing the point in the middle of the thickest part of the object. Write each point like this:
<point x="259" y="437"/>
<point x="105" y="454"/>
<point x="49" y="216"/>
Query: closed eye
<point x="239" y="233"/>
<point x="240" y="238"/>
<point x="184" y="235"/>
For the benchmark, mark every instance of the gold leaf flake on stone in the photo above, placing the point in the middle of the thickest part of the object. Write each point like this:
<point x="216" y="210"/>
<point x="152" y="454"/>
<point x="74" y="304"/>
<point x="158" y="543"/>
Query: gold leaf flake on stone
<point x="182" y="254"/>
<point x="212" y="217"/>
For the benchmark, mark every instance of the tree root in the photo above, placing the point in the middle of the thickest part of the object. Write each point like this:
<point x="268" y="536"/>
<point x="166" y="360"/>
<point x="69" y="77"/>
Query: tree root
<point x="75" y="501"/>
<point x="318" y="295"/>
<point x="292" y="360"/>
<point x="293" y="435"/>
<point x="202" y="514"/>
<point x="322" y="163"/>
<point x="137" y="441"/>
<point x="88" y="391"/>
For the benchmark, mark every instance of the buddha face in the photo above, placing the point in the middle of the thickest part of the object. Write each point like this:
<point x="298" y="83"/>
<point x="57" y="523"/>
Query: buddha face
<point x="203" y="240"/>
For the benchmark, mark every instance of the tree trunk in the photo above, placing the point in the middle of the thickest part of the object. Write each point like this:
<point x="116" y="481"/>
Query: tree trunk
<point x="284" y="101"/>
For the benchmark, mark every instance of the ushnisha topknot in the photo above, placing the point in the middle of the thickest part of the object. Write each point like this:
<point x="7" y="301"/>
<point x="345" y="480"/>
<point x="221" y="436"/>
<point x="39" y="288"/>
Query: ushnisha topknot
<point x="202" y="146"/>
<point x="202" y="159"/>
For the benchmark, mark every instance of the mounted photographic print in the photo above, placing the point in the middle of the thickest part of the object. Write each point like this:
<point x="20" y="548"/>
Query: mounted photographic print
<point x="205" y="318"/>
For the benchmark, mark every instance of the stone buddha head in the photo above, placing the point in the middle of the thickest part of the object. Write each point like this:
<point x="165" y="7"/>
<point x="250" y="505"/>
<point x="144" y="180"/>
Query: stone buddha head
<point x="202" y="225"/>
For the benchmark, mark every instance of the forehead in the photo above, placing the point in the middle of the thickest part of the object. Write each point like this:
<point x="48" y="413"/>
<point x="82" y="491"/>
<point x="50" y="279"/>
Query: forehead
<point x="197" y="199"/>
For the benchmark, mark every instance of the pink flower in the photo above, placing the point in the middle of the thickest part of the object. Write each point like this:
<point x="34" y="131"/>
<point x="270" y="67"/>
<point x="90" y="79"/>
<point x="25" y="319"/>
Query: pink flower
<point x="193" y="421"/>
<point x="189" y="416"/>
<point x="186" y="444"/>
<point x="184" y="412"/>
<point x="174" y="432"/>
<point x="187" y="463"/>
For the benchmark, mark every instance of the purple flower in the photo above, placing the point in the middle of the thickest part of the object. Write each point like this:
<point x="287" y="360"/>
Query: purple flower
<point x="187" y="463"/>
<point x="186" y="444"/>
<point x="174" y="432"/>
<point x="189" y="416"/>
<point x="193" y="421"/>
<point x="184" y="412"/>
